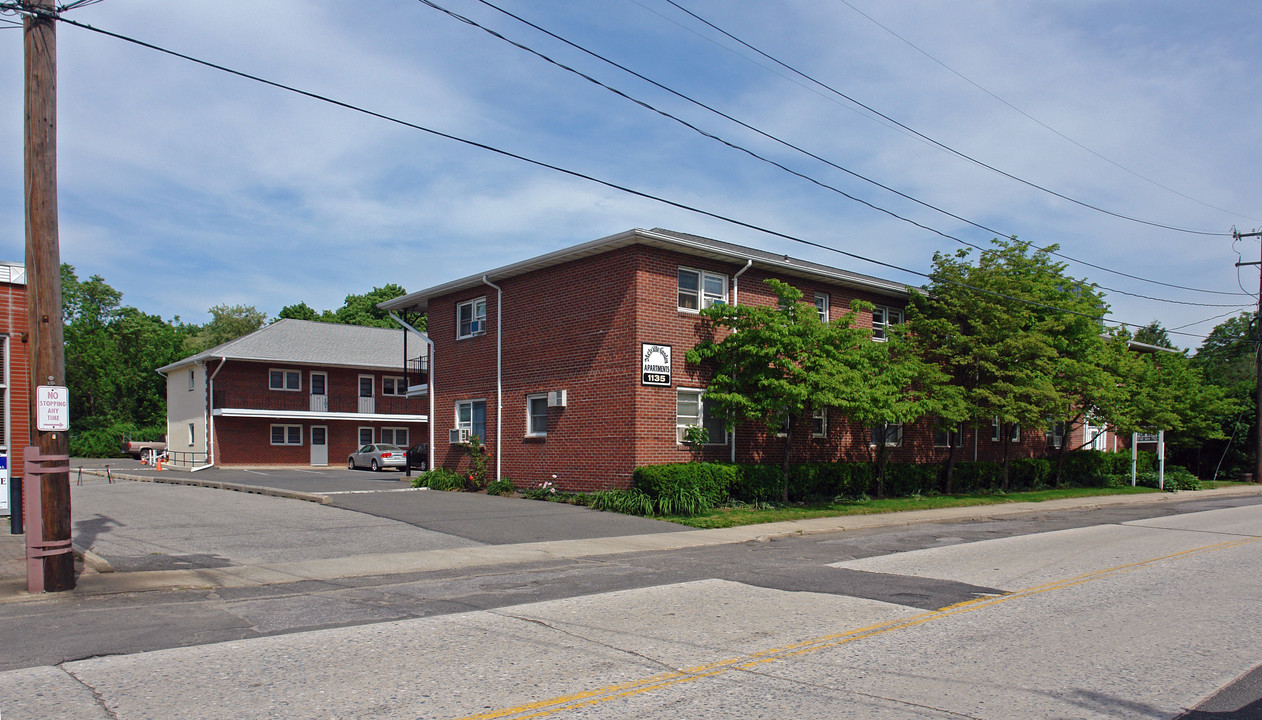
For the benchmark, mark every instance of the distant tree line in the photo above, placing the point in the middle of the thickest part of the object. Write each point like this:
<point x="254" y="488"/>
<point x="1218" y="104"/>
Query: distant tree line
<point x="113" y="350"/>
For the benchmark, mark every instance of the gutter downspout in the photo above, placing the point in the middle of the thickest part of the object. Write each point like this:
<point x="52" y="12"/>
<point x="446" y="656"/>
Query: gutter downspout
<point x="499" y="373"/>
<point x="736" y="281"/>
<point x="210" y="412"/>
<point x="429" y="344"/>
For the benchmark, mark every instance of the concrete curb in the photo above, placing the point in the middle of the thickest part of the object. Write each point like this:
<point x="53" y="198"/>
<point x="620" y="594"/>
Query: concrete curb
<point x="195" y="482"/>
<point x="386" y="564"/>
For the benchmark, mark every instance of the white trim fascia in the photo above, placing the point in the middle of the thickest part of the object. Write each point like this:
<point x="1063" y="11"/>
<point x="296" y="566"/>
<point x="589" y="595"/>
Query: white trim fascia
<point x="309" y="415"/>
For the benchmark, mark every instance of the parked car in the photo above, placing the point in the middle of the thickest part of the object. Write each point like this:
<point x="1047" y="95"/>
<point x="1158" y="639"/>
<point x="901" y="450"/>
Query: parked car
<point x="143" y="451"/>
<point x="418" y="456"/>
<point x="377" y="456"/>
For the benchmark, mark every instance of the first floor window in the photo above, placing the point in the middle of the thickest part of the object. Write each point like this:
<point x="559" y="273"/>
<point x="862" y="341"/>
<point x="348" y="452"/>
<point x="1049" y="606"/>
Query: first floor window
<point x="284" y="380"/>
<point x="537" y="415"/>
<point x="286" y="434"/>
<point x="1014" y="435"/>
<point x="819" y="423"/>
<point x="691" y="411"/>
<point x="1055" y="434"/>
<point x="192" y="434"/>
<point x="365" y="436"/>
<point x="395" y="436"/>
<point x="821" y="306"/>
<point x="471" y="416"/>
<point x="891" y="434"/>
<point x="471" y="318"/>
<point x="883" y="318"/>
<point x="947" y="437"/>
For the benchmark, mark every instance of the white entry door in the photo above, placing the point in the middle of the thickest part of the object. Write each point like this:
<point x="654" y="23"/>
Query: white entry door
<point x="319" y="445"/>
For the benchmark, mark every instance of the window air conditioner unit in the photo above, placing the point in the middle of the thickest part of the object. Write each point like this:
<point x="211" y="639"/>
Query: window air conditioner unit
<point x="475" y="327"/>
<point x="556" y="398"/>
<point x="458" y="435"/>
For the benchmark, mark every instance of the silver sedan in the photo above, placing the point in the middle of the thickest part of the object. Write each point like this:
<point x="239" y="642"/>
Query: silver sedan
<point x="377" y="456"/>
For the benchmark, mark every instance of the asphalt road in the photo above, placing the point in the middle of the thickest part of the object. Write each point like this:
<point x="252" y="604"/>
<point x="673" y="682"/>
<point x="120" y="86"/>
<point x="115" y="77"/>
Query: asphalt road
<point x="1126" y="612"/>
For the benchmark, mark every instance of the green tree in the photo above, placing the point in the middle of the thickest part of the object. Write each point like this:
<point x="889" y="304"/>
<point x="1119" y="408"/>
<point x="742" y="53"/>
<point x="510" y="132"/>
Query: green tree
<point x="1154" y="334"/>
<point x="1226" y="360"/>
<point x="227" y="323"/>
<point x="301" y="311"/>
<point x="363" y="310"/>
<point x="775" y="365"/>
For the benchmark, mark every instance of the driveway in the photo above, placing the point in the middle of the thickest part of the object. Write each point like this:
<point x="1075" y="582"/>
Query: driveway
<point x="155" y="525"/>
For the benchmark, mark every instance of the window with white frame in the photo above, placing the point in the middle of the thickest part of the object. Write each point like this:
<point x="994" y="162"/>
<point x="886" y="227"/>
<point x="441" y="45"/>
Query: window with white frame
<point x="191" y="378"/>
<point x="947" y="437"/>
<point x="192" y="434"/>
<point x="394" y="436"/>
<point x="699" y="289"/>
<point x="883" y="318"/>
<point x="1014" y="434"/>
<point x="471" y="318"/>
<point x="691" y="411"/>
<point x="365" y="436"/>
<point x="286" y="434"/>
<point x="537" y="415"/>
<point x="889" y="433"/>
<point x="1055" y="434"/>
<point x="819" y="423"/>
<point x="290" y="380"/>
<point x="471" y="416"/>
<point x="821" y="306"/>
<point x="393" y="386"/>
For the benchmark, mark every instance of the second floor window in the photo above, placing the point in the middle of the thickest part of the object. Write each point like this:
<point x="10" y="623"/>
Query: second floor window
<point x="284" y="380"/>
<point x="699" y="289"/>
<point x="883" y="318"/>
<point x="471" y="318"/>
<point x="393" y="386"/>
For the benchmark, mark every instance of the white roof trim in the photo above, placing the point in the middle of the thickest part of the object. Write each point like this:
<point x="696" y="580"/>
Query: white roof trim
<point x="309" y="415"/>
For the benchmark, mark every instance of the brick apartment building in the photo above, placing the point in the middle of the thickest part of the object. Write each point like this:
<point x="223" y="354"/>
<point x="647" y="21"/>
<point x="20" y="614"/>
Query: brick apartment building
<point x="15" y="390"/>
<point x="571" y="365"/>
<point x="295" y="393"/>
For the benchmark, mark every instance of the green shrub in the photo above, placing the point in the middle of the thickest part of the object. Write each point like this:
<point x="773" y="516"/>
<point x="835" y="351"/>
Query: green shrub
<point x="977" y="477"/>
<point x="1178" y="478"/>
<point x="440" y="479"/>
<point x="627" y="502"/>
<point x="503" y="486"/>
<point x="1029" y="473"/>
<point x="904" y="479"/>
<point x="686" y="484"/>
<point x="107" y="442"/>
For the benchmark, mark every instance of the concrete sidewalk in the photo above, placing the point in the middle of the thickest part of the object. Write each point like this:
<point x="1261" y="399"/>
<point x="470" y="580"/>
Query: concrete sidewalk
<point x="95" y="576"/>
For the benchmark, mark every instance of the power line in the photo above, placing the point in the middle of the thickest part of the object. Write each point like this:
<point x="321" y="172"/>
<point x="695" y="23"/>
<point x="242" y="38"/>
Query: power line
<point x="493" y="33"/>
<point x="948" y="148"/>
<point x="1033" y="119"/>
<point x="573" y="173"/>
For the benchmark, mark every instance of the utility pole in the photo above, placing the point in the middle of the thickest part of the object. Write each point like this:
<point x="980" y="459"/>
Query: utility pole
<point x="43" y="272"/>
<point x="1257" y="361"/>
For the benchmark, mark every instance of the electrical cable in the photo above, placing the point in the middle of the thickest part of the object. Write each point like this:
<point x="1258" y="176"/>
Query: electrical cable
<point x="948" y="148"/>
<point x="573" y="173"/>
<point x="1000" y="233"/>
<point x="1033" y="119"/>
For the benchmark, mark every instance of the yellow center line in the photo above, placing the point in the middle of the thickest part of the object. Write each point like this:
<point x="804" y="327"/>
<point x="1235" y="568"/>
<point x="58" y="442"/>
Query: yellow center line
<point x="572" y="701"/>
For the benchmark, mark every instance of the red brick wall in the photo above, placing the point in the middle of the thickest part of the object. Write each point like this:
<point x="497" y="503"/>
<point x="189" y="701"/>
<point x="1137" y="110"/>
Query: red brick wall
<point x="13" y="322"/>
<point x="578" y="327"/>
<point x="247" y="441"/>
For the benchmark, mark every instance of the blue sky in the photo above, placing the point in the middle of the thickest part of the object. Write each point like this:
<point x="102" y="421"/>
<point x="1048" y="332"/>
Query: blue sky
<point x="186" y="187"/>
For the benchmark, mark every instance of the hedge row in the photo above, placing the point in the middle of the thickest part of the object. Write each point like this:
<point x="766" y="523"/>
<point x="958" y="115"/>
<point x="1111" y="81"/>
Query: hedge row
<point x="717" y="483"/>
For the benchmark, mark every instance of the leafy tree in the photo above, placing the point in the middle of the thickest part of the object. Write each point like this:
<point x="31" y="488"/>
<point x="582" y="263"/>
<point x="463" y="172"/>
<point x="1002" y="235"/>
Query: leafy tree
<point x="1154" y="334"/>
<point x="1226" y="360"/>
<point x="996" y="326"/>
<point x="227" y="323"/>
<point x="301" y="311"/>
<point x="777" y="364"/>
<point x="363" y="310"/>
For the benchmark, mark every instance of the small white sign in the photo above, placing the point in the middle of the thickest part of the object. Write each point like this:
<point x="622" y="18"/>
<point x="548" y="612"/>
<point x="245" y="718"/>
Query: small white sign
<point x="52" y="408"/>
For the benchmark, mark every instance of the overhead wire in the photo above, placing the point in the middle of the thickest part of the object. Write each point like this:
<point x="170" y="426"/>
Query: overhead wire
<point x="1033" y="119"/>
<point x="473" y="23"/>
<point x="574" y="173"/>
<point x="942" y="145"/>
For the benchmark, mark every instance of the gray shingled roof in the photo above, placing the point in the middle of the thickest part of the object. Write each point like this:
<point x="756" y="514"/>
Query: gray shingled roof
<point x="312" y="343"/>
<point x="679" y="242"/>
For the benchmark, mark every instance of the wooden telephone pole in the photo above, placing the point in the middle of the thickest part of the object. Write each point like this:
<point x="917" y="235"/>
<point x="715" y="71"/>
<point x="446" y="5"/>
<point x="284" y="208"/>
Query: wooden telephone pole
<point x="1257" y="360"/>
<point x="43" y="272"/>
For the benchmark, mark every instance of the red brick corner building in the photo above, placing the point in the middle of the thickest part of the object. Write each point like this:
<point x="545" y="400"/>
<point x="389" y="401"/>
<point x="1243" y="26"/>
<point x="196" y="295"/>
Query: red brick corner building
<point x="570" y="366"/>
